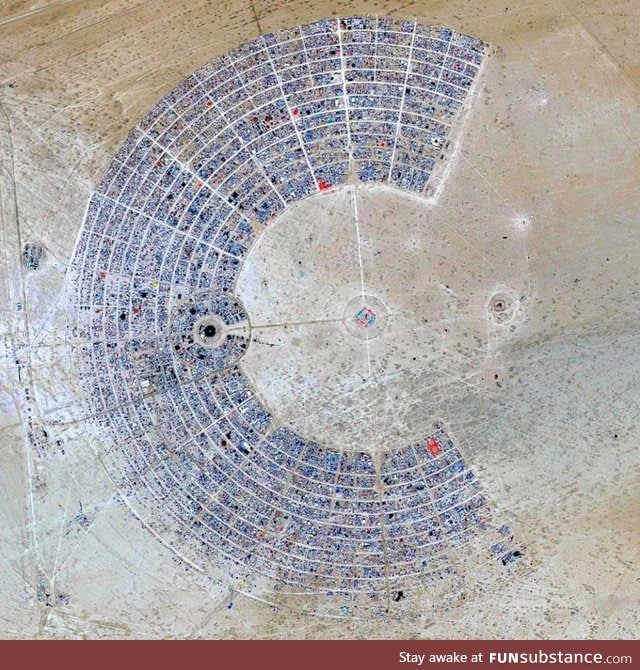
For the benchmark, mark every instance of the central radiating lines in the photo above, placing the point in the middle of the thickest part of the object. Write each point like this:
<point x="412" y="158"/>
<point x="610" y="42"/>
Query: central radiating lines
<point x="354" y="200"/>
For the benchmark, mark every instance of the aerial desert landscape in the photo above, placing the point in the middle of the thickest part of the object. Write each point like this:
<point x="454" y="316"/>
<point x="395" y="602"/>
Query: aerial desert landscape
<point x="320" y="320"/>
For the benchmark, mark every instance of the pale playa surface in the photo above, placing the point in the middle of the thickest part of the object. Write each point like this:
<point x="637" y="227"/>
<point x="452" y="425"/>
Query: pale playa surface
<point x="541" y="202"/>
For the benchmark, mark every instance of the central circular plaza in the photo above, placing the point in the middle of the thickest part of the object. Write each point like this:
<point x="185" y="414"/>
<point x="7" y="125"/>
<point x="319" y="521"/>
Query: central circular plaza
<point x="208" y="332"/>
<point x="367" y="318"/>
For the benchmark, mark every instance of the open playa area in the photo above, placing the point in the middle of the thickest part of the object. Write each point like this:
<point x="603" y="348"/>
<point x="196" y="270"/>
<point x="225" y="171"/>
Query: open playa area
<point x="320" y="320"/>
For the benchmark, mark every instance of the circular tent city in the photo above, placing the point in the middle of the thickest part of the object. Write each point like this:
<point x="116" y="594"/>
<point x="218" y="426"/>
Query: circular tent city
<point x="272" y="320"/>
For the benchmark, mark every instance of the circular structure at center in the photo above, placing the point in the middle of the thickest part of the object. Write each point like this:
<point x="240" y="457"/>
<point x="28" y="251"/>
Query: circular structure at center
<point x="365" y="317"/>
<point x="209" y="331"/>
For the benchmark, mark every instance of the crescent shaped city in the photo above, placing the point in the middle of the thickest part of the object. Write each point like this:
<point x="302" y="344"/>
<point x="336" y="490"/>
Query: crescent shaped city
<point x="320" y="322"/>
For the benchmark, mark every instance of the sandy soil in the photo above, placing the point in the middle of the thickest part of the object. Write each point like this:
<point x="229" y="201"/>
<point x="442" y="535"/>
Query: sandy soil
<point x="541" y="203"/>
